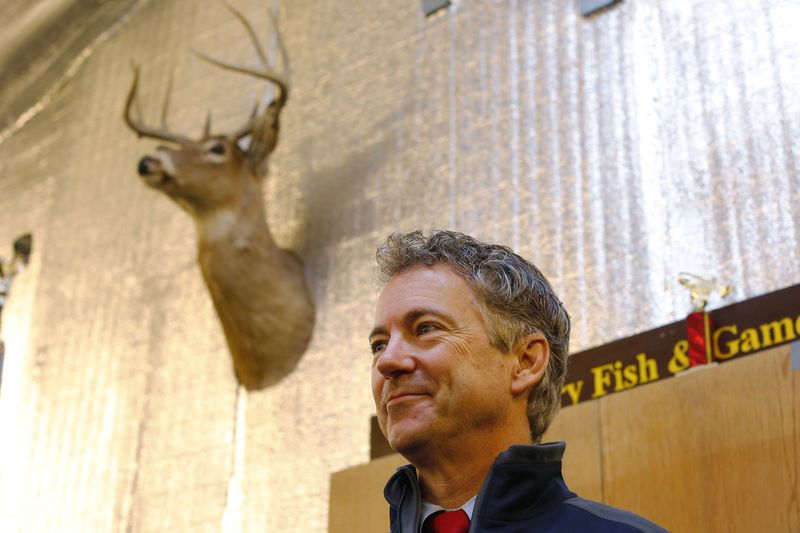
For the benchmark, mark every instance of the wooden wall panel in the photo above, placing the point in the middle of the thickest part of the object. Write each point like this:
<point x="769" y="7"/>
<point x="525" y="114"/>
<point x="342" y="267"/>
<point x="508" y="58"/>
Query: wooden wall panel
<point x="715" y="450"/>
<point x="579" y="426"/>
<point x="356" y="502"/>
<point x="794" y="449"/>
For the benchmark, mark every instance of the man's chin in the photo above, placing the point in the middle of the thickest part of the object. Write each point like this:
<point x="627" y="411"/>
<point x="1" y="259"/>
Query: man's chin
<point x="407" y="442"/>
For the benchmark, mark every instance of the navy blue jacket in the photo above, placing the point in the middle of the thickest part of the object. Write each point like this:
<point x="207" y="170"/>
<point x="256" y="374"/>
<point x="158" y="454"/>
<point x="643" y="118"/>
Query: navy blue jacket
<point x="523" y="493"/>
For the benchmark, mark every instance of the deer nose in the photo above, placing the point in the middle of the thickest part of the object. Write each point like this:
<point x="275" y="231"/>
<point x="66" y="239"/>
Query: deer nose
<point x="144" y="165"/>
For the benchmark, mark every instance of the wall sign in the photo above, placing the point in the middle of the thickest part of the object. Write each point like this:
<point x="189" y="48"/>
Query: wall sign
<point x="742" y="329"/>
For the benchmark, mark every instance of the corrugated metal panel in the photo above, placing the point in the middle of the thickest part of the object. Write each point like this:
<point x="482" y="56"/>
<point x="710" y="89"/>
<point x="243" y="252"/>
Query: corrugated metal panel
<point x="614" y="151"/>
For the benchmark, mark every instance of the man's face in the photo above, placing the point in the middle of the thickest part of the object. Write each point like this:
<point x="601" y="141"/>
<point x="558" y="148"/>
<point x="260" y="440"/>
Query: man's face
<point x="436" y="379"/>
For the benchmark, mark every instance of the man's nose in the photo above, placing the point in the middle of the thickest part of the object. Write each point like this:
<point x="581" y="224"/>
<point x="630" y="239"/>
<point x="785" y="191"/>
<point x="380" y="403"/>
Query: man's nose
<point x="396" y="359"/>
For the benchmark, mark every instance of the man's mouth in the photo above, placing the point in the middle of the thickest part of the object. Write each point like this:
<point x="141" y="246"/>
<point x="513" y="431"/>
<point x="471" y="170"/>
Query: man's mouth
<point x="396" y="398"/>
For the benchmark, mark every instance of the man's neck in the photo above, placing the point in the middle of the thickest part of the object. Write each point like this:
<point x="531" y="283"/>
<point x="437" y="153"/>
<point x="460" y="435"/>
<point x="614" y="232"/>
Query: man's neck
<point x="452" y="487"/>
<point x="450" y="477"/>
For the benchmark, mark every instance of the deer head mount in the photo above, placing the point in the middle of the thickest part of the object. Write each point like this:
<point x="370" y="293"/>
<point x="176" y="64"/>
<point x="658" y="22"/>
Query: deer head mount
<point x="258" y="289"/>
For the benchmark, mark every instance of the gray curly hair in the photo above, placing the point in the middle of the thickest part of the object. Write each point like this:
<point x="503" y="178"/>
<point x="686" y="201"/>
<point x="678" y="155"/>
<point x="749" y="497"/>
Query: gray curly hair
<point x="514" y="299"/>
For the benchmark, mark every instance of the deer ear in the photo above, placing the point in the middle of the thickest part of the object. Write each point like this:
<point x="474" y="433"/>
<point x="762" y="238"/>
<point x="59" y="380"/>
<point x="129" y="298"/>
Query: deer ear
<point x="257" y="168"/>
<point x="532" y="358"/>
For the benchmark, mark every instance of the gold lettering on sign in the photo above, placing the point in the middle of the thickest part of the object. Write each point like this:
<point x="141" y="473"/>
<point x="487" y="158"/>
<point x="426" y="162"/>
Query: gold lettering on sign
<point x="648" y="368"/>
<point x="623" y="377"/>
<point x="780" y="330"/>
<point x="602" y="379"/>
<point x="573" y="390"/>
<point x="733" y="346"/>
<point x="680" y="357"/>
<point x="631" y="373"/>
<point x="753" y="339"/>
<point x="750" y="340"/>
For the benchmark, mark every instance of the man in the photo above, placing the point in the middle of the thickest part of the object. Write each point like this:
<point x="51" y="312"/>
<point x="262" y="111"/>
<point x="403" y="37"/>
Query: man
<point x="470" y="349"/>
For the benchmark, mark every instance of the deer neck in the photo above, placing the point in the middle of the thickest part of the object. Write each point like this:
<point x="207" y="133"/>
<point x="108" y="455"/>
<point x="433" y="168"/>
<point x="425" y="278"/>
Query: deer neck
<point x="241" y="225"/>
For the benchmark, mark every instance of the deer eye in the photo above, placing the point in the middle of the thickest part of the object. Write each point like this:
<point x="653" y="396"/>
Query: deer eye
<point x="218" y="148"/>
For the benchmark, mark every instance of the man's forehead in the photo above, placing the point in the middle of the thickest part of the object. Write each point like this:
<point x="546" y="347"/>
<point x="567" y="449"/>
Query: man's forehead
<point x="433" y="288"/>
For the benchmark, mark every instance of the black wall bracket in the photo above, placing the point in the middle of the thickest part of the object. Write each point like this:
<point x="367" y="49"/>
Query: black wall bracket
<point x="589" y="7"/>
<point x="429" y="7"/>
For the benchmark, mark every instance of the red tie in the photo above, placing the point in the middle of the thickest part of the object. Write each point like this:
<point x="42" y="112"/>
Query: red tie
<point x="447" y="522"/>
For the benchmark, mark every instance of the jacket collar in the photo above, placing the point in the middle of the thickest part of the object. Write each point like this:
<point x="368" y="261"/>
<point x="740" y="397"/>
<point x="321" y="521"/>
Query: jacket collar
<point x="524" y="480"/>
<point x="405" y="500"/>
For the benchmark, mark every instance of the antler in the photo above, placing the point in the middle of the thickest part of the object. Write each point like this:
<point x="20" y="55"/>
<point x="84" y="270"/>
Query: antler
<point x="140" y="128"/>
<point x="263" y="128"/>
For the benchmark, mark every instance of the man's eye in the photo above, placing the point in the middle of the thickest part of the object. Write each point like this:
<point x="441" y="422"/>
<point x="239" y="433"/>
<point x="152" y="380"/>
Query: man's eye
<point x="378" y="346"/>
<point x="425" y="328"/>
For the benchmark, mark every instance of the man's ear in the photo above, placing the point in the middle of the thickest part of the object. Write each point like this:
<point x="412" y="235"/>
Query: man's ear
<point x="533" y="356"/>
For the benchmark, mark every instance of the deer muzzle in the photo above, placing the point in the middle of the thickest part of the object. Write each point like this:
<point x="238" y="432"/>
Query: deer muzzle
<point x="148" y="166"/>
<point x="155" y="171"/>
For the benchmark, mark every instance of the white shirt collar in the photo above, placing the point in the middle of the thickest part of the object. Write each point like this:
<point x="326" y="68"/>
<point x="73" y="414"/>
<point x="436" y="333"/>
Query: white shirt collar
<point x="429" y="508"/>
